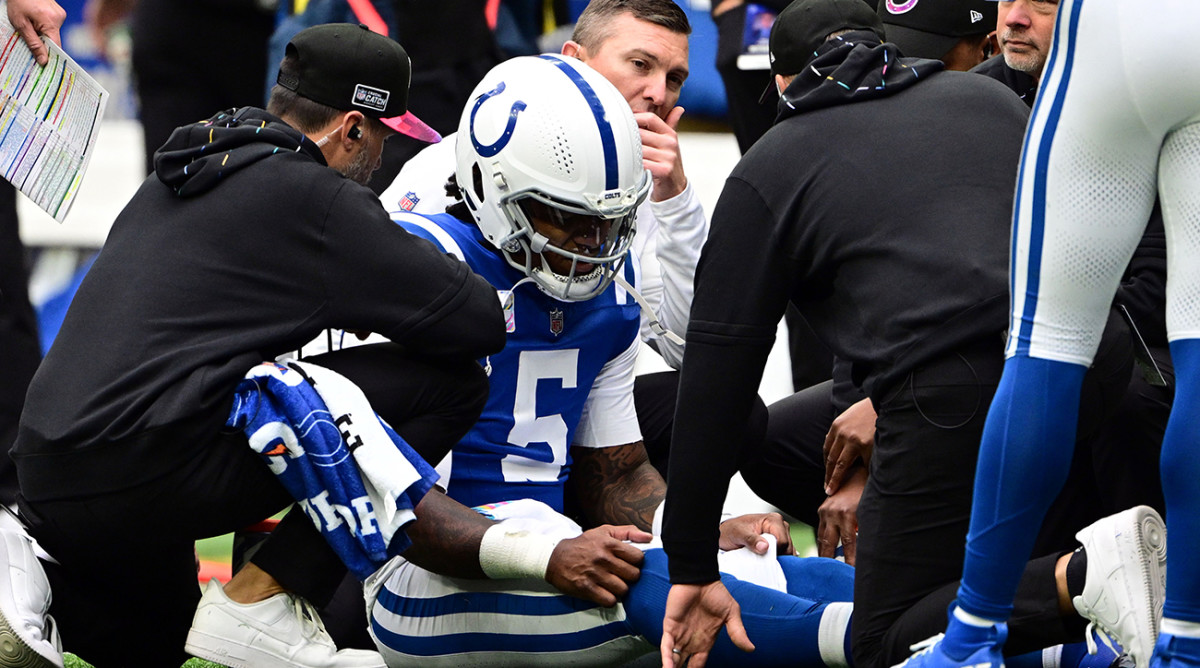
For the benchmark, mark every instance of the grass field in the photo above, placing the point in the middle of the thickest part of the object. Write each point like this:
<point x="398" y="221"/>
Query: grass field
<point x="218" y="550"/>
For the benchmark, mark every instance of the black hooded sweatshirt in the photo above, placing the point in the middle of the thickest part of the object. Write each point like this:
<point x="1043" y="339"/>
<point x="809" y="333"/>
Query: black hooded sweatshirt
<point x="243" y="245"/>
<point x="879" y="204"/>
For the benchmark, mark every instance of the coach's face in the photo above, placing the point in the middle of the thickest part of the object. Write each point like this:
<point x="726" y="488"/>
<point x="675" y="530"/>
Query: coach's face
<point x="1025" y="29"/>
<point x="645" y="61"/>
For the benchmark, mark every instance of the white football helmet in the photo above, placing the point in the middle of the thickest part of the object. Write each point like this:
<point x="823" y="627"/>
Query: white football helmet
<point x="550" y="135"/>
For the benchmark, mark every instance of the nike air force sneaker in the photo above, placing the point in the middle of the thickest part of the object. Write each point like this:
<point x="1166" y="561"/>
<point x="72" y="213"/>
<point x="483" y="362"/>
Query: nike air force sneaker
<point x="1126" y="575"/>
<point x="283" y="631"/>
<point x="28" y="635"/>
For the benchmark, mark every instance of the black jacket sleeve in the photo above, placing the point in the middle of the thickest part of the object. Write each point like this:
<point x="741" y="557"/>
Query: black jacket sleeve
<point x="383" y="279"/>
<point x="742" y="287"/>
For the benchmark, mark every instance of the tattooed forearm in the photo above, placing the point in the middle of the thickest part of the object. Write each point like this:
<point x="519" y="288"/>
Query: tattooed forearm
<point x="617" y="485"/>
<point x="446" y="537"/>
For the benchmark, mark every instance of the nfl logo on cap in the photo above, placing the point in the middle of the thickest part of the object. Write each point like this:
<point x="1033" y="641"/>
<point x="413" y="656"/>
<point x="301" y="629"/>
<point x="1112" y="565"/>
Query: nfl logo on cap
<point x="371" y="98"/>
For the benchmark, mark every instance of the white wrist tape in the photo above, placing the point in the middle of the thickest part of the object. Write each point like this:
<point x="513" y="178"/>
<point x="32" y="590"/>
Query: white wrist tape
<point x="514" y="553"/>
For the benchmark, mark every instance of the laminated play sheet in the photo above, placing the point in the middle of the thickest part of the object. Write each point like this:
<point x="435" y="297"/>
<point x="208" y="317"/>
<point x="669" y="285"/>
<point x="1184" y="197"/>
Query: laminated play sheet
<point x="49" y="119"/>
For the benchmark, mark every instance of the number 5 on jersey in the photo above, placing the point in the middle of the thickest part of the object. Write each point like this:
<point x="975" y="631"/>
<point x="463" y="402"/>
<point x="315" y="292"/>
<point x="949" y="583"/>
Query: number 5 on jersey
<point x="530" y="431"/>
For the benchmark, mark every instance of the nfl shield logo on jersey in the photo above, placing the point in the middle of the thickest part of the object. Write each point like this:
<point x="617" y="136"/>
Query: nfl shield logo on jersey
<point x="409" y="201"/>
<point x="556" y="321"/>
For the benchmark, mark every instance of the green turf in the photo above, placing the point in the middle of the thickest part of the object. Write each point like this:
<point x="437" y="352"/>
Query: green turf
<point x="218" y="548"/>
<point x="72" y="661"/>
<point x="803" y="539"/>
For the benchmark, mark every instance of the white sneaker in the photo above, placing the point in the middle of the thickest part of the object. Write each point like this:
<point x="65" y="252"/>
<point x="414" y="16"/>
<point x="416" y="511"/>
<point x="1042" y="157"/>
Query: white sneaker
<point x="283" y="631"/>
<point x="28" y="635"/>
<point x="1126" y="575"/>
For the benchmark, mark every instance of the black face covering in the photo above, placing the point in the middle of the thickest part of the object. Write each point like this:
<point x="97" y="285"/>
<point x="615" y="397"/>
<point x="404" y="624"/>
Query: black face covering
<point x="850" y="68"/>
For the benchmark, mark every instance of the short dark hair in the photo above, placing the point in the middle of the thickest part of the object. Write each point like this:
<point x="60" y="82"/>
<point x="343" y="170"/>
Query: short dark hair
<point x="305" y="114"/>
<point x="594" y="26"/>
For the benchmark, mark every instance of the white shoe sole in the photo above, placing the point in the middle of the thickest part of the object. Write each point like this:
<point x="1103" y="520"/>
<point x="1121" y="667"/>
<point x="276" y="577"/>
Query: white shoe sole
<point x="221" y="651"/>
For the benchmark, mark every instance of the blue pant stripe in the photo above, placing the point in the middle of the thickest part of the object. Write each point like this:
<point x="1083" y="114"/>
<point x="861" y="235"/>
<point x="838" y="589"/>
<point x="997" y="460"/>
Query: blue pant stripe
<point x="482" y="602"/>
<point x="1041" y="167"/>
<point x="456" y="643"/>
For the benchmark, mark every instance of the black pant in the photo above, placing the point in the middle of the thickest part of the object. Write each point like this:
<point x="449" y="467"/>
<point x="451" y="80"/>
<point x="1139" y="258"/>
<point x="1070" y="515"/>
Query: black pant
<point x="177" y="85"/>
<point x="1116" y="465"/>
<point x="743" y="88"/>
<point x="20" y="352"/>
<point x="916" y="508"/>
<point x="788" y="471"/>
<point x="654" y="397"/>
<point x="126" y="590"/>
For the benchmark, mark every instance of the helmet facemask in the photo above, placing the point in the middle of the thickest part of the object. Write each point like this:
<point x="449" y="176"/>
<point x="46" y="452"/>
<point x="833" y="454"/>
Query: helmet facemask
<point x="581" y="249"/>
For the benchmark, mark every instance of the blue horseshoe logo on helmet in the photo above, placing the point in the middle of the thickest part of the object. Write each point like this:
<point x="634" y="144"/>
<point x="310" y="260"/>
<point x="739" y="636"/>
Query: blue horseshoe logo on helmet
<point x="489" y="150"/>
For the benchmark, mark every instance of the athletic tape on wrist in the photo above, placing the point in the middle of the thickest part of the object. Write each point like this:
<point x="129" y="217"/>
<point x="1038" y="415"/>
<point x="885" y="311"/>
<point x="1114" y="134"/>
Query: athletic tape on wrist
<point x="505" y="553"/>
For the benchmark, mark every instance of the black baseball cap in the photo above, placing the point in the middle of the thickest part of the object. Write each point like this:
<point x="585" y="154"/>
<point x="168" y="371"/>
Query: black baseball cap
<point x="930" y="28"/>
<point x="350" y="68"/>
<point x="805" y="24"/>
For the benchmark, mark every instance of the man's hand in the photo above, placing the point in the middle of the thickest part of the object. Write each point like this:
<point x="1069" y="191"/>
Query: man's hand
<point x="747" y="530"/>
<point x="660" y="153"/>
<point x="850" y="438"/>
<point x="597" y="565"/>
<point x="839" y="518"/>
<point x="694" y="616"/>
<point x="32" y="18"/>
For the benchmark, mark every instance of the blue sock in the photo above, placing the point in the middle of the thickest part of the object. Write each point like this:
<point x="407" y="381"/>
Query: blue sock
<point x="1074" y="655"/>
<point x="1180" y="471"/>
<point x="1027" y="660"/>
<point x="1173" y="651"/>
<point x="1028" y="440"/>
<point x="963" y="639"/>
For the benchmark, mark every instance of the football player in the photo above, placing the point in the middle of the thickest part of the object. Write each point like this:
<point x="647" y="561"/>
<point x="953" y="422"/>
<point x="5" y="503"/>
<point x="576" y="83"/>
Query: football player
<point x="1114" y="126"/>
<point x="550" y="169"/>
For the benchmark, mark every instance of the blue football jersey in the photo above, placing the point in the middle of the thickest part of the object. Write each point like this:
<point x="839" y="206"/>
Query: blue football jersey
<point x="519" y="448"/>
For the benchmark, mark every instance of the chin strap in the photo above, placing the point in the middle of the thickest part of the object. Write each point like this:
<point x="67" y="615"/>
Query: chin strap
<point x="656" y="326"/>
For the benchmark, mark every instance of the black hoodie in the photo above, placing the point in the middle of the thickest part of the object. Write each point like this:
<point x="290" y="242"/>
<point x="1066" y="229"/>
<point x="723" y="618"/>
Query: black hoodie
<point x="242" y="245"/>
<point x="879" y="204"/>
